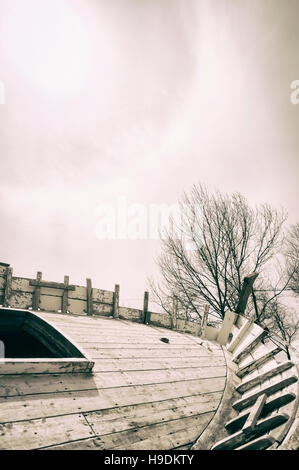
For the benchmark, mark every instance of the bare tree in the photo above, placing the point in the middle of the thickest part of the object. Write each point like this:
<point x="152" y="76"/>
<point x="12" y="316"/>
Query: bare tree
<point x="292" y="257"/>
<point x="282" y="323"/>
<point x="208" y="251"/>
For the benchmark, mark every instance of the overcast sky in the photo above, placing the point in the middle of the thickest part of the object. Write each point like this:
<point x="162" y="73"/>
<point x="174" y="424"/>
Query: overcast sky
<point x="137" y="99"/>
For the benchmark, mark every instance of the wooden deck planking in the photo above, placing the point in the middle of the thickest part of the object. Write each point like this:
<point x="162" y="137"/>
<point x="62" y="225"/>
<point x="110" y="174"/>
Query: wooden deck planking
<point x="103" y="328"/>
<point x="289" y="409"/>
<point x="59" y="429"/>
<point x="145" y="352"/>
<point x="125" y="378"/>
<point x="115" y="339"/>
<point x="105" y="365"/>
<point x="18" y="385"/>
<point x="125" y="341"/>
<point x="263" y="356"/>
<point x="159" y="436"/>
<point x="136" y="388"/>
<point x="59" y="403"/>
<point x="26" y="435"/>
<point x="98" y="327"/>
<point x="104" y="422"/>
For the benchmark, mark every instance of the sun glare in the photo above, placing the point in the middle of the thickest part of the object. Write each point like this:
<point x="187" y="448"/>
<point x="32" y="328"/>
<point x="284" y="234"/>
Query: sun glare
<point x="50" y="44"/>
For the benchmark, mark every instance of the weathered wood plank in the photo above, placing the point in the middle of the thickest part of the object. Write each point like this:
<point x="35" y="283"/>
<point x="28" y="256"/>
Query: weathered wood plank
<point x="22" y="285"/>
<point x="77" y="306"/>
<point x="2" y="282"/>
<point x="273" y="402"/>
<point x="55" y="285"/>
<point x="290" y="409"/>
<point x="94" y="337"/>
<point x="89" y="297"/>
<point x="59" y="429"/>
<point x="84" y="321"/>
<point x="254" y="414"/>
<point x="111" y="327"/>
<point x="248" y="282"/>
<point x="103" y="296"/>
<point x="44" y="405"/>
<point x="101" y="310"/>
<point x="179" y="338"/>
<point x="27" y="435"/>
<point x="44" y="366"/>
<point x="8" y="287"/>
<point x="3" y="267"/>
<point x="160" y="436"/>
<point x="64" y="305"/>
<point x="241" y="438"/>
<point x="134" y="353"/>
<point x="83" y="444"/>
<point x="226" y="327"/>
<point x="255" y="363"/>
<point x="98" y="331"/>
<point x="14" y="382"/>
<point x="50" y="303"/>
<point x="250" y="398"/>
<point x="146" y="313"/>
<point x="47" y="291"/>
<point x="180" y="432"/>
<point x="251" y="334"/>
<point x="239" y="336"/>
<point x="79" y="320"/>
<point x="102" y="380"/>
<point x="149" y="363"/>
<point x="36" y="384"/>
<point x="104" y="335"/>
<point x="261" y="443"/>
<point x="223" y="413"/>
<point x="260" y="378"/>
<point x="116" y="301"/>
<point x="36" y="293"/>
<point x="251" y="343"/>
<point x="130" y="314"/>
<point x="94" y="443"/>
<point x="121" y="419"/>
<point x="119" y="325"/>
<point x="204" y="322"/>
<point x="20" y="300"/>
<point x="161" y="320"/>
<point x="117" y="379"/>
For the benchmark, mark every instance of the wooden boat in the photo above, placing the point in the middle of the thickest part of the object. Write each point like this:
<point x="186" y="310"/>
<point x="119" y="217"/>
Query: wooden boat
<point x="86" y="373"/>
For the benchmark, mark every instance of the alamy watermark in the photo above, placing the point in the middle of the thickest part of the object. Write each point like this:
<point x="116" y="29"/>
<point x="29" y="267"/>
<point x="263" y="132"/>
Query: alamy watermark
<point x="2" y="93"/>
<point x="123" y="221"/>
<point x="294" y="96"/>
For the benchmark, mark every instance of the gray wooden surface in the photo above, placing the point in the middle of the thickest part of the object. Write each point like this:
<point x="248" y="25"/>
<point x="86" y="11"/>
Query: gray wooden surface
<point x="143" y="393"/>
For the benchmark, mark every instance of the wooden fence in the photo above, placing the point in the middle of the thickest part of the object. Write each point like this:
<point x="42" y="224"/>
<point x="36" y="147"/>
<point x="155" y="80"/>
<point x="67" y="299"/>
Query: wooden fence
<point x="63" y="297"/>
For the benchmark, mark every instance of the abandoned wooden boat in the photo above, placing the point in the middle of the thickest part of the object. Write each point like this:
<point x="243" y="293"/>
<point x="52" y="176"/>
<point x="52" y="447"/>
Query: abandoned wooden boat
<point x="78" y="371"/>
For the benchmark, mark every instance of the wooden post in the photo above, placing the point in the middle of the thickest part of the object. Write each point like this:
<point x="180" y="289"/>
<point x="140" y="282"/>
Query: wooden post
<point x="146" y="314"/>
<point x="116" y="301"/>
<point x="38" y="283"/>
<point x="204" y="321"/>
<point x="254" y="414"/>
<point x="8" y="287"/>
<point x="89" y="297"/>
<point x="245" y="292"/>
<point x="255" y="305"/>
<point x="36" y="293"/>
<point x="174" y="312"/>
<point x="226" y="327"/>
<point x="65" y="295"/>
